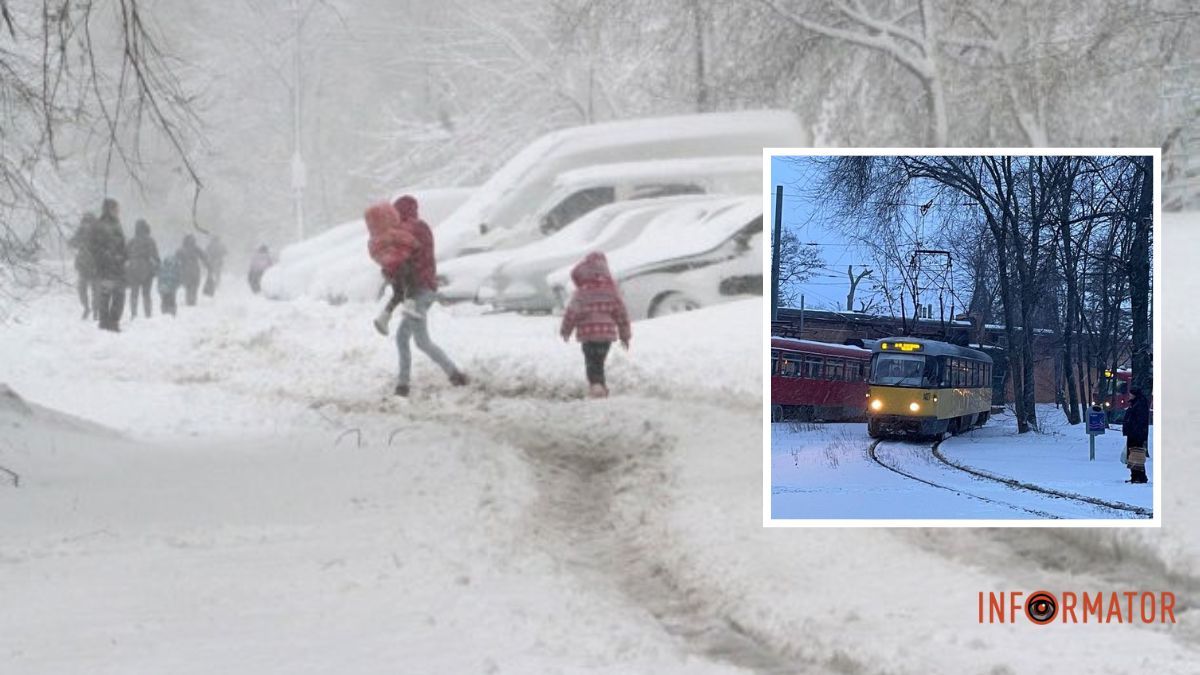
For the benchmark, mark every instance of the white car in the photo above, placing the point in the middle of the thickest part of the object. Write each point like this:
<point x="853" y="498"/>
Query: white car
<point x="526" y="180"/>
<point x="690" y="257"/>
<point x="520" y="282"/>
<point x="581" y="191"/>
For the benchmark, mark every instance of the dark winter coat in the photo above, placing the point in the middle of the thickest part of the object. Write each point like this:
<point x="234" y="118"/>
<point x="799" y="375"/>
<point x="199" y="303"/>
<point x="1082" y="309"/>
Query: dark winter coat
<point x="596" y="312"/>
<point x="424" y="264"/>
<point x="168" y="276"/>
<point x="107" y="247"/>
<point x="1136" y="425"/>
<point x="143" y="258"/>
<point x="85" y="264"/>
<point x="190" y="257"/>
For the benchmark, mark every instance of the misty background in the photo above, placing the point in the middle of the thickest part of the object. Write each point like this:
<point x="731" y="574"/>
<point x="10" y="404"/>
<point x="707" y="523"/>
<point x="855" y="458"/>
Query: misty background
<point x="193" y="114"/>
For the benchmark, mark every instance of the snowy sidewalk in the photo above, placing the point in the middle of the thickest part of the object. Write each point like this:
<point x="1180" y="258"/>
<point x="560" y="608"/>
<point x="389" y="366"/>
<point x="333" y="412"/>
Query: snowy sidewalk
<point x="1055" y="458"/>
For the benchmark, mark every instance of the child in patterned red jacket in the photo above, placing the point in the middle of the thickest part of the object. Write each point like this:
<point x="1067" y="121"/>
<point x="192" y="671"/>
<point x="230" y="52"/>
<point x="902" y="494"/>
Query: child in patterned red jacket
<point x="392" y="246"/>
<point x="597" y="316"/>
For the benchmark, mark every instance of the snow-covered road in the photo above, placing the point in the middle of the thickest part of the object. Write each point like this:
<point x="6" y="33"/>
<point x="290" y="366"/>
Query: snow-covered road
<point x="270" y="508"/>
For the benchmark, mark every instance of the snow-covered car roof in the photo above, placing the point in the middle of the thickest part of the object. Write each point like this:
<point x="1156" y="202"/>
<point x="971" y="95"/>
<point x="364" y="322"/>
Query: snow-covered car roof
<point x="685" y="231"/>
<point x="579" y="236"/>
<point x="643" y="138"/>
<point x="662" y="169"/>
<point x="698" y="226"/>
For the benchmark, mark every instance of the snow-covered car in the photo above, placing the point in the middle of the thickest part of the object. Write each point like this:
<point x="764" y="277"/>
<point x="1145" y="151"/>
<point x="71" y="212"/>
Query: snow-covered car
<point x="334" y="265"/>
<point x="471" y="277"/>
<point x="575" y="193"/>
<point x="578" y="192"/>
<point x="505" y="199"/>
<point x="520" y="282"/>
<point x="691" y="256"/>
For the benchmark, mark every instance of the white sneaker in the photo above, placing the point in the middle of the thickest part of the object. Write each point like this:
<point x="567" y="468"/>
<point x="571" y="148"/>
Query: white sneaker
<point x="381" y="321"/>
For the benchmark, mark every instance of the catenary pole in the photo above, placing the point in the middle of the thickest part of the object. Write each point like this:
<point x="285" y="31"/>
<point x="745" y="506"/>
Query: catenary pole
<point x="775" y="253"/>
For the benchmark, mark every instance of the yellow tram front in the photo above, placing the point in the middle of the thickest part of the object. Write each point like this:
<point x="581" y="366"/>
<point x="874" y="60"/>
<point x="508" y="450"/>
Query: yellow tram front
<point x="926" y="388"/>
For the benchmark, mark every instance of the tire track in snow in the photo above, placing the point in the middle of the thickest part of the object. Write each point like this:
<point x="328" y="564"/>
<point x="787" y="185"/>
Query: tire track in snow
<point x="594" y="460"/>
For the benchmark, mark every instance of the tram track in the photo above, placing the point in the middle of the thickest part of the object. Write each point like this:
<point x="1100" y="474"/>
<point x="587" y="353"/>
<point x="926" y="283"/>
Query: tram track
<point x="871" y="452"/>
<point x="1014" y="483"/>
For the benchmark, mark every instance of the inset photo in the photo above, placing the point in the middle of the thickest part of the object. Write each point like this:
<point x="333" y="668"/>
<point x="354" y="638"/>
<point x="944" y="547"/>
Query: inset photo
<point x="962" y="337"/>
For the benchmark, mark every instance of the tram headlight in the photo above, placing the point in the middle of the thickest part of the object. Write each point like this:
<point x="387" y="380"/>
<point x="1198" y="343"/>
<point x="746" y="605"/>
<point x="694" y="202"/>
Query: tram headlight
<point x="876" y="405"/>
<point x="1108" y="404"/>
<point x="914" y="406"/>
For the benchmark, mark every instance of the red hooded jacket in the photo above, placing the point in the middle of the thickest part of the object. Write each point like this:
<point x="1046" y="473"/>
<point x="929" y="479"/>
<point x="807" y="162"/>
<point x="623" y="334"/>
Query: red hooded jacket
<point x="424" y="263"/>
<point x="391" y="244"/>
<point x="596" y="312"/>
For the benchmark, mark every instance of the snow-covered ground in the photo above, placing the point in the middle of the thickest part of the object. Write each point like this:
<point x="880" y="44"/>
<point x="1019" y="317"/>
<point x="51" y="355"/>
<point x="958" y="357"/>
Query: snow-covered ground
<point x="231" y="521"/>
<point x="825" y="471"/>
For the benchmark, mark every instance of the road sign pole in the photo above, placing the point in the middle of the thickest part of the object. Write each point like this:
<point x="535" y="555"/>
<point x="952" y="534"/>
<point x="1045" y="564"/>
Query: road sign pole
<point x="1092" y="449"/>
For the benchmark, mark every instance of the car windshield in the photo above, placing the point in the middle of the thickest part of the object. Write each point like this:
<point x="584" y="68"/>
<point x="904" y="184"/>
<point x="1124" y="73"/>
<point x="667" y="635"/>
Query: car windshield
<point x="904" y="370"/>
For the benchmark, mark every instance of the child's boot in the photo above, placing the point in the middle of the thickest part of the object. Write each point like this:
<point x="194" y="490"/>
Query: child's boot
<point x="381" y="321"/>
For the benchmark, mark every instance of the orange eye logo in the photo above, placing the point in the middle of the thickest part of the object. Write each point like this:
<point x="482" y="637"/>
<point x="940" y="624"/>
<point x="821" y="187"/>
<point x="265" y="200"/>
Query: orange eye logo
<point x="1041" y="608"/>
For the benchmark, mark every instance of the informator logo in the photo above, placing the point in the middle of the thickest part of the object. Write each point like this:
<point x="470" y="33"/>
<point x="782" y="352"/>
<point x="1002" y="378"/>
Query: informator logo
<point x="1042" y="608"/>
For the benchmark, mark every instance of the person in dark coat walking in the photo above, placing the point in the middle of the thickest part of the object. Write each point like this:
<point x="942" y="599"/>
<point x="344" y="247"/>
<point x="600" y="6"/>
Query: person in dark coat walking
<point x="215" y="252"/>
<point x="597" y="316"/>
<point x="258" y="266"/>
<point x="1136" y="428"/>
<point x="141" y="267"/>
<point x="168" y="284"/>
<point x="107" y="246"/>
<point x="190" y="257"/>
<point x="85" y="266"/>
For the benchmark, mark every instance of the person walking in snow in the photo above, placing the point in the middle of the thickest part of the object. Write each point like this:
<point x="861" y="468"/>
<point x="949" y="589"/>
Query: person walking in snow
<point x="597" y="316"/>
<point x="259" y="264"/>
<point x="215" y="253"/>
<point x="190" y="258"/>
<point x="422" y="287"/>
<point x="85" y="265"/>
<point x="1136" y="429"/>
<point x="141" y="267"/>
<point x="107" y="248"/>
<point x="392" y="244"/>
<point x="168" y="284"/>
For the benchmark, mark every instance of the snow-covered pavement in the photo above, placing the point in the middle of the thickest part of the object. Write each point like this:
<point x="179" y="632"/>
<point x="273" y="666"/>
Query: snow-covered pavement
<point x="834" y="471"/>
<point x="252" y="517"/>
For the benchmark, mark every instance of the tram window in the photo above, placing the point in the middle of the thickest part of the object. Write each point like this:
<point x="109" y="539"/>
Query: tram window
<point x="853" y="371"/>
<point x="834" y="369"/>
<point x="787" y="368"/>
<point x="812" y="367"/>
<point x="974" y="374"/>
<point x="1123" y="387"/>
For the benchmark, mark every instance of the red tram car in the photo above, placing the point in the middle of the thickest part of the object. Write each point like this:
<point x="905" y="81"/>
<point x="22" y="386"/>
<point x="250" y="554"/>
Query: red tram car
<point x="1112" y="394"/>
<point x="813" y="381"/>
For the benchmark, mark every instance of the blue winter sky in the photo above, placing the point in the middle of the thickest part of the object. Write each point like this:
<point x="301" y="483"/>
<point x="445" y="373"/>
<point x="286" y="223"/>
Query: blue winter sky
<point x="804" y="215"/>
<point x="807" y="219"/>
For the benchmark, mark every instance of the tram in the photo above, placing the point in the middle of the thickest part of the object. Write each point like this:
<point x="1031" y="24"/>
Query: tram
<point x="817" y="381"/>
<point x="1112" y="394"/>
<point x="926" y="388"/>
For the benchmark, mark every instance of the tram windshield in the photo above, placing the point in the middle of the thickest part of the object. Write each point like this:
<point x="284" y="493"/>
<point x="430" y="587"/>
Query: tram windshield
<point x="901" y="370"/>
<point x="1112" y="385"/>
